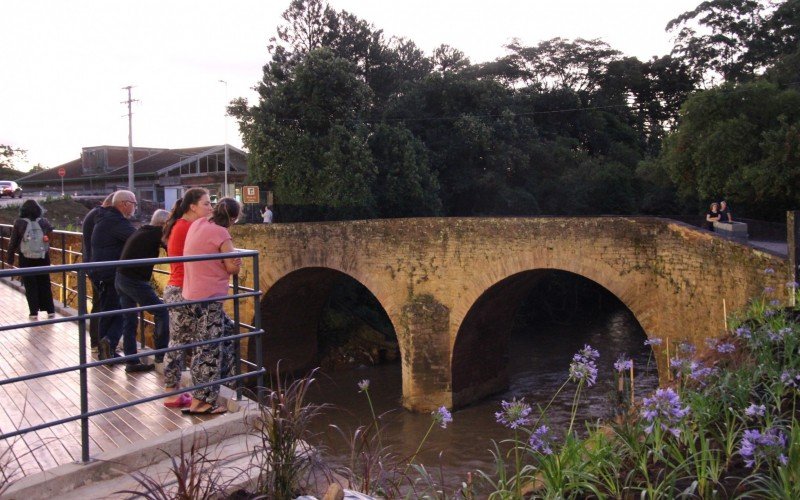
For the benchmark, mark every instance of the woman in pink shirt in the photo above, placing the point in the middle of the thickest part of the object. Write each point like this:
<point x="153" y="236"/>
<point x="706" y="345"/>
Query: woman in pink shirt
<point x="194" y="205"/>
<point x="209" y="279"/>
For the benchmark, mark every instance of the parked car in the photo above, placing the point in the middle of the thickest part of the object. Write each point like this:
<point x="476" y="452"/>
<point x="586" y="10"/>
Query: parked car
<point x="10" y="189"/>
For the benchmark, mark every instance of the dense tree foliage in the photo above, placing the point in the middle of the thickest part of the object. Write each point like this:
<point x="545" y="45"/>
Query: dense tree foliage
<point x="9" y="155"/>
<point x="352" y="124"/>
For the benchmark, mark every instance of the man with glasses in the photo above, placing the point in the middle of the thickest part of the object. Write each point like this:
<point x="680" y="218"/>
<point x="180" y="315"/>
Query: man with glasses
<point x="112" y="229"/>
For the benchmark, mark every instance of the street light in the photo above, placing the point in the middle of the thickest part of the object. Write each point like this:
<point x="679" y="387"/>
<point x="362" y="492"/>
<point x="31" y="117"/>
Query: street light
<point x="225" y="189"/>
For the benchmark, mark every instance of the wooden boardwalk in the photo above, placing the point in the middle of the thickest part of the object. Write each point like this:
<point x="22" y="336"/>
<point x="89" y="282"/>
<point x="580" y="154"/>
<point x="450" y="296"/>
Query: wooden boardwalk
<point x="23" y="404"/>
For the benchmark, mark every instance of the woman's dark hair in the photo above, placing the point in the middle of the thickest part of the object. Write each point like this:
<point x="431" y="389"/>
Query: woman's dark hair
<point x="190" y="197"/>
<point x="30" y="210"/>
<point x="226" y="212"/>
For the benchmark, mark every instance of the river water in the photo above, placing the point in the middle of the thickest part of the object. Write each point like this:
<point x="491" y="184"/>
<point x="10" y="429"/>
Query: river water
<point x="538" y="365"/>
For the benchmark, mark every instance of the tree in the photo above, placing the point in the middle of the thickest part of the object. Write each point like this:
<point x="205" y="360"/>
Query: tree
<point x="9" y="157"/>
<point x="308" y="139"/>
<point x="738" y="141"/>
<point x="557" y="62"/>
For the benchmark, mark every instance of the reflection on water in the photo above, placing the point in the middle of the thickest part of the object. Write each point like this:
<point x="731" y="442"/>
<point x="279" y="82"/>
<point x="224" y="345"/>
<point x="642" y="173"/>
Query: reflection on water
<point x="538" y="365"/>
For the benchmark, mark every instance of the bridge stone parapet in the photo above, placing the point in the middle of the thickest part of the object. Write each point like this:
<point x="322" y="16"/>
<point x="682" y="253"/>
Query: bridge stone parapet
<point x="451" y="286"/>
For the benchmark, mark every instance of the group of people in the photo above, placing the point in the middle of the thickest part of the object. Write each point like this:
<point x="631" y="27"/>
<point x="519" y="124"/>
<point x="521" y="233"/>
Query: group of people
<point x="718" y="212"/>
<point x="193" y="227"/>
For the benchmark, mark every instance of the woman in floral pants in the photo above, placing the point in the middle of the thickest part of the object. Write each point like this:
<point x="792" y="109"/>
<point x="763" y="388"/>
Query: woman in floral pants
<point x="194" y="205"/>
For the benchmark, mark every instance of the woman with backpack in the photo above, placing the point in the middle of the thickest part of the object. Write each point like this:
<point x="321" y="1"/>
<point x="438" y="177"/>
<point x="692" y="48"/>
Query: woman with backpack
<point x="30" y="237"/>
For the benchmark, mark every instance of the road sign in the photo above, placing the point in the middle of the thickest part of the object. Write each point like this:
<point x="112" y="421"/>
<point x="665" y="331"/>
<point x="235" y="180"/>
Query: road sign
<point x="250" y="194"/>
<point x="62" y="171"/>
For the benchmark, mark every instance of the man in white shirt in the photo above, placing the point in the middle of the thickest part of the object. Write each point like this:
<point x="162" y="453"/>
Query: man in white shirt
<point x="267" y="215"/>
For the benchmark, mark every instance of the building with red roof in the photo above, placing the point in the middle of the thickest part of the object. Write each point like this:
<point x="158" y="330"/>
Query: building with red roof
<point x="160" y="175"/>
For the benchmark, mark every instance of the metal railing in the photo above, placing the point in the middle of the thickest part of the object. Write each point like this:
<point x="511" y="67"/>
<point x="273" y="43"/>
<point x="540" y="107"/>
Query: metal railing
<point x="256" y="368"/>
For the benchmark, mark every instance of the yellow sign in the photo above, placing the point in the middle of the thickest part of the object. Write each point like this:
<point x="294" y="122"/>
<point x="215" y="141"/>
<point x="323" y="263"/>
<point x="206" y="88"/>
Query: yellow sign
<point x="250" y="194"/>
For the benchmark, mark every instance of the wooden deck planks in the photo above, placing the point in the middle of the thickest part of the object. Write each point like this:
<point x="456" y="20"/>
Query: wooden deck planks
<point x="34" y="349"/>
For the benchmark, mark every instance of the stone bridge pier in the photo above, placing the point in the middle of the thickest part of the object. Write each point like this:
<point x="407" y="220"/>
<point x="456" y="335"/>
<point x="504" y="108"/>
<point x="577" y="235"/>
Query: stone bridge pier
<point x="452" y="287"/>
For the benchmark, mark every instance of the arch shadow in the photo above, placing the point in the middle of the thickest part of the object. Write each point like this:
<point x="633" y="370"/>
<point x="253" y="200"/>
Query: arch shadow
<point x="481" y="352"/>
<point x="291" y="312"/>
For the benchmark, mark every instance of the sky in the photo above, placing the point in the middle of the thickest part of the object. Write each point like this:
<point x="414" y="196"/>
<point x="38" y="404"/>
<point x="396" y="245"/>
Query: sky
<point x="65" y="63"/>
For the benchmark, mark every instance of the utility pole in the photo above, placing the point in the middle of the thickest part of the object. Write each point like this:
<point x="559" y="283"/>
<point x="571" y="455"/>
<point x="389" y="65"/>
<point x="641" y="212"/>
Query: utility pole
<point x="130" y="137"/>
<point x="225" y="189"/>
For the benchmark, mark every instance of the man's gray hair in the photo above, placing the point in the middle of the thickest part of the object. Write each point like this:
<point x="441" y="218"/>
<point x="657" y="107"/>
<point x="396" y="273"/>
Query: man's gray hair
<point x="121" y="196"/>
<point x="159" y="217"/>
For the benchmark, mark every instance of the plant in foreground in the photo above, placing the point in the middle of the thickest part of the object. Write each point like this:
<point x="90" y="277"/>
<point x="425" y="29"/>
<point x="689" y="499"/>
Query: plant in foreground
<point x="284" y="454"/>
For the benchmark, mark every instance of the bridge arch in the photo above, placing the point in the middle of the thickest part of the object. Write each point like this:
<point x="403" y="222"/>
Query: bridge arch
<point x="480" y="351"/>
<point x="291" y="311"/>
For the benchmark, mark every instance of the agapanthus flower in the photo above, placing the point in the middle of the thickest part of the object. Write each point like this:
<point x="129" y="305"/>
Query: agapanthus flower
<point x="540" y="440"/>
<point x="791" y="378"/>
<point x="775" y="302"/>
<point x="515" y="413"/>
<point x="768" y="290"/>
<point x="363" y="385"/>
<point x="653" y="341"/>
<point x="769" y="270"/>
<point x="768" y="313"/>
<point x="743" y="332"/>
<point x="665" y="410"/>
<point x="623" y="364"/>
<point x="583" y="367"/>
<point x="793" y="285"/>
<point x="725" y="348"/>
<point x="755" y="410"/>
<point x="756" y="445"/>
<point x="681" y="365"/>
<point x="687" y="348"/>
<point x="442" y="417"/>
<point x="699" y="372"/>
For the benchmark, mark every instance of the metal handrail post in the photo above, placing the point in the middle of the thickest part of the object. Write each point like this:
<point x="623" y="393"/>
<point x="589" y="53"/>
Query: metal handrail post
<point x="141" y="324"/>
<point x="259" y="338"/>
<point x="237" y="361"/>
<point x="3" y="247"/>
<point x="64" y="273"/>
<point x="83" y="375"/>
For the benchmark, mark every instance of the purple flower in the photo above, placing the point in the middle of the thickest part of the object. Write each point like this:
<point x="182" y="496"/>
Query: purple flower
<point x="775" y="302"/>
<point x="699" y="372"/>
<point x="755" y="410"/>
<point x="790" y="378"/>
<point x="725" y="348"/>
<point x="664" y="409"/>
<point x="583" y="367"/>
<point x="768" y="290"/>
<point x="792" y="285"/>
<point x="515" y="413"/>
<point x="681" y="365"/>
<point x="442" y="417"/>
<point x="623" y="364"/>
<point x="756" y="446"/>
<point x="768" y="313"/>
<point x="363" y="385"/>
<point x="653" y="341"/>
<point x="743" y="332"/>
<point x="779" y="335"/>
<point x="540" y="441"/>
<point x="769" y="270"/>
<point x="687" y="348"/>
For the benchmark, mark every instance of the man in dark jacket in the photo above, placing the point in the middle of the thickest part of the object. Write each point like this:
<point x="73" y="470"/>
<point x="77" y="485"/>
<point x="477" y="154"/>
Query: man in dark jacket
<point x="86" y="251"/>
<point x="111" y="230"/>
<point x="133" y="283"/>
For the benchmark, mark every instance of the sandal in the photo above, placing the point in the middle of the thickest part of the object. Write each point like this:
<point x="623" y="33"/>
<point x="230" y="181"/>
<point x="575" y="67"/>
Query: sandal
<point x="212" y="409"/>
<point x="181" y="401"/>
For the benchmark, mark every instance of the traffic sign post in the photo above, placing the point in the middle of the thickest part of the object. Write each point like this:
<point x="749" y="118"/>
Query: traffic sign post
<point x="62" y="172"/>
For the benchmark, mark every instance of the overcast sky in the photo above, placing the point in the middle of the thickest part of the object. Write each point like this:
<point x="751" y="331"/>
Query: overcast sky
<point x="64" y="63"/>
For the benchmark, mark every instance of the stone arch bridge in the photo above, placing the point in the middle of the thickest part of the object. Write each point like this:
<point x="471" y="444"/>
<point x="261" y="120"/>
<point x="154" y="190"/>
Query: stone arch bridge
<point x="449" y="285"/>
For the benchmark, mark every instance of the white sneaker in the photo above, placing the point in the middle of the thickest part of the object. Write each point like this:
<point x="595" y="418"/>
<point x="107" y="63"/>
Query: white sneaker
<point x="51" y="315"/>
<point x="33" y="317"/>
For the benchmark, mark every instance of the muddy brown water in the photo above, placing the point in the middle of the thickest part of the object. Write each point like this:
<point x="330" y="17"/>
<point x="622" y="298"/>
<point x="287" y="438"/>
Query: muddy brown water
<point x="538" y="365"/>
